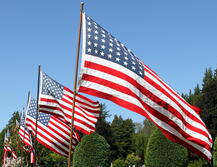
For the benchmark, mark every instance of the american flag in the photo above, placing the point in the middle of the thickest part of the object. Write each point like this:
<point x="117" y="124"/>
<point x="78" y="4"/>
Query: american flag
<point x="57" y="99"/>
<point x="111" y="71"/>
<point x="24" y="132"/>
<point x="52" y="132"/>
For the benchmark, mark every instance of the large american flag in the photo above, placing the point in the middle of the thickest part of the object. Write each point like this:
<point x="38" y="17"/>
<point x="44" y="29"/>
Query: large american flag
<point x="57" y="99"/>
<point x="24" y="132"/>
<point x="52" y="132"/>
<point x="111" y="71"/>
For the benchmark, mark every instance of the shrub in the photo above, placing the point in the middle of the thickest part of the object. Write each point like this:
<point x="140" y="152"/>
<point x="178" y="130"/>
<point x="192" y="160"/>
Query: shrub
<point x="92" y="151"/>
<point x="118" y="163"/>
<point x="162" y="152"/>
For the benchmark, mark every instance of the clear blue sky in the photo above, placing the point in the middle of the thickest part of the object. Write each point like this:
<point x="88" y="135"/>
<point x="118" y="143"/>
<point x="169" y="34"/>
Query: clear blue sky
<point x="177" y="39"/>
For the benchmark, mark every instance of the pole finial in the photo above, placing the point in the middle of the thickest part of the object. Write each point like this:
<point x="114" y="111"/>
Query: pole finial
<point x="82" y="6"/>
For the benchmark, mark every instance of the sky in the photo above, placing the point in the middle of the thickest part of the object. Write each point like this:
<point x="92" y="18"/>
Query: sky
<point x="177" y="39"/>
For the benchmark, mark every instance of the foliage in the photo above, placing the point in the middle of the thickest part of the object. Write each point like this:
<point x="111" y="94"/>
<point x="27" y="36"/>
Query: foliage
<point x="196" y="163"/>
<point x="162" y="152"/>
<point x="215" y="153"/>
<point x="92" y="151"/>
<point x="132" y="159"/>
<point x="119" y="163"/>
<point x="122" y="131"/>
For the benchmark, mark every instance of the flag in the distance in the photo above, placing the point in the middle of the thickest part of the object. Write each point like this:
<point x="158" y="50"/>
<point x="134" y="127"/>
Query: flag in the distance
<point x="24" y="132"/>
<point x="52" y="132"/>
<point x="111" y="71"/>
<point x="57" y="99"/>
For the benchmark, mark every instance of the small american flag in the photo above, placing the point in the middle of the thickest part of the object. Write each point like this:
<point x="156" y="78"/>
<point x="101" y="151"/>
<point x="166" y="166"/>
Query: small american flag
<point x="57" y="99"/>
<point x="52" y="132"/>
<point x="111" y="71"/>
<point x="24" y="132"/>
<point x="14" y="155"/>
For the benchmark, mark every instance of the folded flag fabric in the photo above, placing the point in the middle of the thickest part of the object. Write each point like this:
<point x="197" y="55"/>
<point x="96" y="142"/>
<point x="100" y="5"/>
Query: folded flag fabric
<point x="24" y="132"/>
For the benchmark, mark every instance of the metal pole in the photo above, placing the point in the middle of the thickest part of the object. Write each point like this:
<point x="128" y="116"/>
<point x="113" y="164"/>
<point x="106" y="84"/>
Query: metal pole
<point x="75" y="83"/>
<point x="36" y="126"/>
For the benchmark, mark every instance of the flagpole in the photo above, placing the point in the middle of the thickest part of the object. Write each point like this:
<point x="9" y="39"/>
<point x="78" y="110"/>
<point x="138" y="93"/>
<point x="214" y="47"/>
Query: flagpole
<point x="75" y="83"/>
<point x="36" y="126"/>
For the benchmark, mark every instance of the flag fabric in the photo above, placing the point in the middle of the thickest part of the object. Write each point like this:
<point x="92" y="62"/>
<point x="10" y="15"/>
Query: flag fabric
<point x="57" y="99"/>
<point x="7" y="135"/>
<point x="52" y="132"/>
<point x="111" y="71"/>
<point x="14" y="155"/>
<point x="24" y="132"/>
<point x="4" y="155"/>
<point x="32" y="157"/>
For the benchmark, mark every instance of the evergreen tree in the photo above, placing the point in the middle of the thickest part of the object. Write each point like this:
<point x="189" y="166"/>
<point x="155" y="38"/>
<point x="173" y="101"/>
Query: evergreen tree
<point x="122" y="131"/>
<point x="208" y="101"/>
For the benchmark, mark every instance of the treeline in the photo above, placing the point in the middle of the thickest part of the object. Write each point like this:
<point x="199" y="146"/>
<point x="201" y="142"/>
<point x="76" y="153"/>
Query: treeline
<point x="123" y="142"/>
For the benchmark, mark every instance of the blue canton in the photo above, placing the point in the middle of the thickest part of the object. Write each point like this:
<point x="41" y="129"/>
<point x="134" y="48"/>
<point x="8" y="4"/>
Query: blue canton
<point x="51" y="87"/>
<point x="102" y="44"/>
<point x="22" y="120"/>
<point x="42" y="117"/>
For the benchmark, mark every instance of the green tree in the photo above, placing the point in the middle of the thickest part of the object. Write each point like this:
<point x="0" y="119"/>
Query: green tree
<point x="122" y="132"/>
<point x="162" y="152"/>
<point x="208" y="101"/>
<point x="92" y="151"/>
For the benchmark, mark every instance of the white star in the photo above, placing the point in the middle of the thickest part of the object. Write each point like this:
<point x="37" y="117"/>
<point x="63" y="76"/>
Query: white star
<point x="118" y="53"/>
<point x="96" y="51"/>
<point x="103" y="46"/>
<point x="103" y="31"/>
<point x="125" y="53"/>
<point x="89" y="23"/>
<point x="88" y="18"/>
<point x="95" y="44"/>
<point x="133" y="67"/>
<point x="103" y="35"/>
<point x="89" y="43"/>
<point x="110" y="56"/>
<point x="117" y="59"/>
<point x="140" y="72"/>
<point x="126" y="58"/>
<point x="88" y="50"/>
<point x="89" y="36"/>
<point x="96" y="37"/>
<point x="94" y="23"/>
<point x="125" y="63"/>
<point x="96" y="32"/>
<point x="110" y="40"/>
<point x="134" y="62"/>
<point x="140" y="67"/>
<point x="118" y="48"/>
<point x="111" y="44"/>
<point x="117" y="44"/>
<point x="96" y="27"/>
<point x="103" y="40"/>
<point x="89" y="29"/>
<point x="102" y="53"/>
<point x="110" y="50"/>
